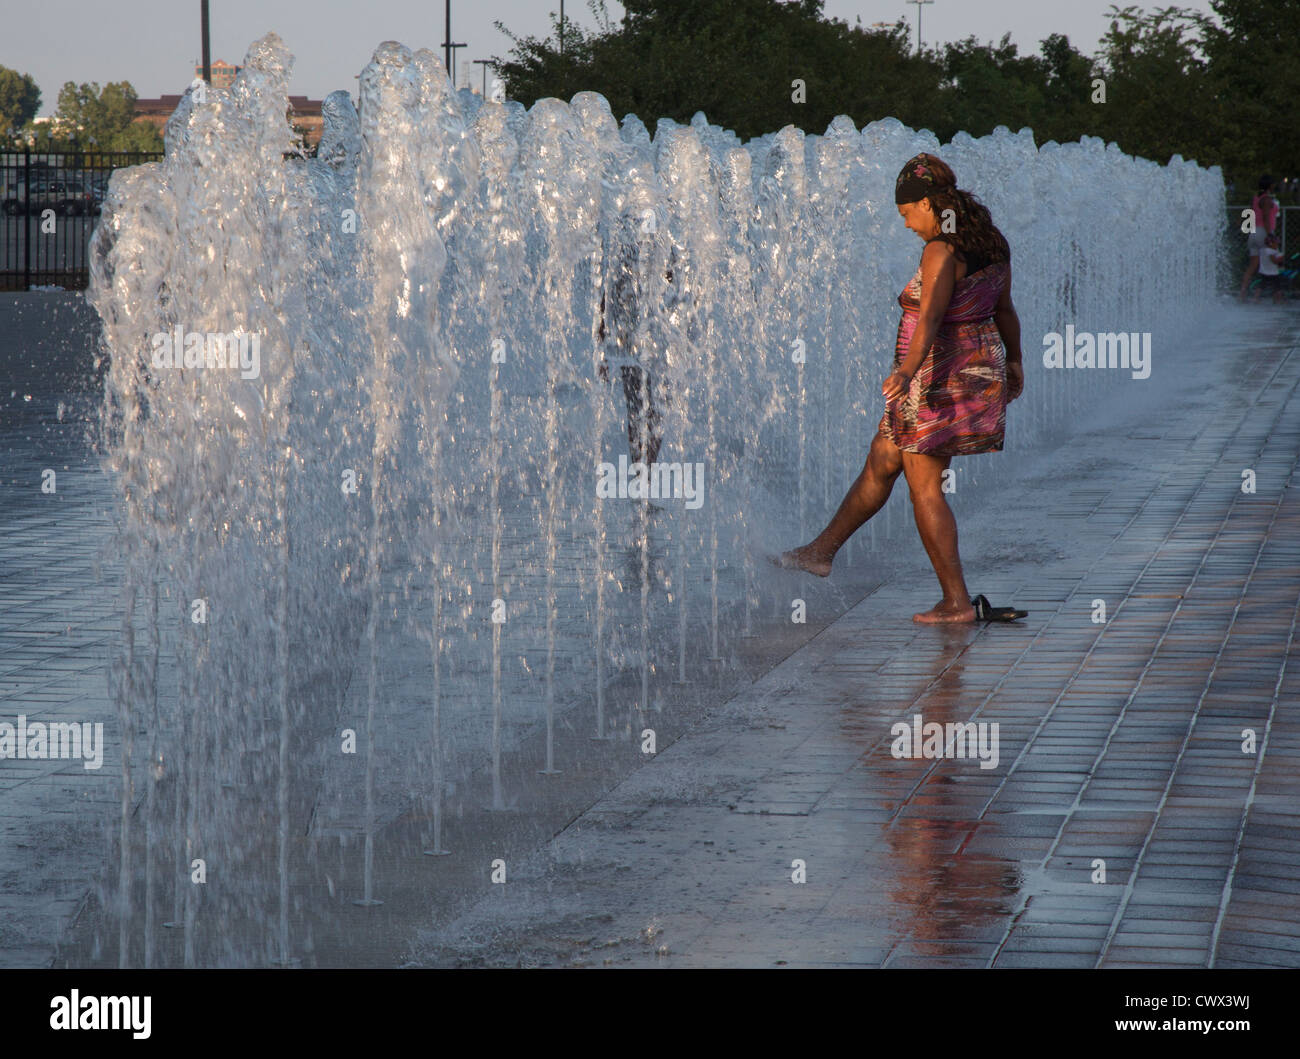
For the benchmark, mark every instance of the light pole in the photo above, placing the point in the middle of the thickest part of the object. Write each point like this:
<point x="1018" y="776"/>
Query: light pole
<point x="485" y="63"/>
<point x="918" y="4"/>
<point x="452" y="73"/>
<point x="449" y="49"/>
<point x="204" y="35"/>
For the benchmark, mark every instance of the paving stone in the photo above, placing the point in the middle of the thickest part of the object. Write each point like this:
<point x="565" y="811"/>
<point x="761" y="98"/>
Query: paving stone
<point x="1119" y="741"/>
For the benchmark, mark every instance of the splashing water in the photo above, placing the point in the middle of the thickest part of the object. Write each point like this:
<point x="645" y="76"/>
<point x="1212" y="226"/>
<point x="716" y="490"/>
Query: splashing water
<point x="379" y="497"/>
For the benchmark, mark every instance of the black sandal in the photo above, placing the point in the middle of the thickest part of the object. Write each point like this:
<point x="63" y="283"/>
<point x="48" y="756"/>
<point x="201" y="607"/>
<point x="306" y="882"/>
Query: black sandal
<point x="985" y="611"/>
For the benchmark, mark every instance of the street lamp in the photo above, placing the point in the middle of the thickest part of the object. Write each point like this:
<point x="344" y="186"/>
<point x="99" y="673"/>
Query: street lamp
<point x="485" y="63"/>
<point x="918" y="4"/>
<point x="449" y="49"/>
<point x="203" y="33"/>
<point x="452" y="72"/>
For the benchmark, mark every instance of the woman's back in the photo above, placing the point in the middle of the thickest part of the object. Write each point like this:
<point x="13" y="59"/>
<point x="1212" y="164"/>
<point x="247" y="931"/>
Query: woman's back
<point x="970" y="262"/>
<point x="1264" y="207"/>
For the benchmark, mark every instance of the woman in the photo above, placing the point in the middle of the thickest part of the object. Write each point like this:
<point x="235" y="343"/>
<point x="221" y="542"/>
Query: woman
<point x="1264" y="208"/>
<point x="956" y="365"/>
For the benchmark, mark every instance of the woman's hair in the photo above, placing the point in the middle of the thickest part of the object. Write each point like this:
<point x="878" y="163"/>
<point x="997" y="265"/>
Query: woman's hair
<point x="974" y="230"/>
<point x="1265" y="182"/>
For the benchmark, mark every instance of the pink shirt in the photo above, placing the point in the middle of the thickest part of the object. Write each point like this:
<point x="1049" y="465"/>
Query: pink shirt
<point x="1265" y="209"/>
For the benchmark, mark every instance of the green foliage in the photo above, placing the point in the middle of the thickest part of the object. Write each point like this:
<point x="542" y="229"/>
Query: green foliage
<point x="19" y="101"/>
<point x="138" y="136"/>
<point x="1252" y="51"/>
<point x="1217" y="89"/>
<point x="89" y="116"/>
<point x="986" y="85"/>
<point x="1156" y="84"/>
<point x="736" y="60"/>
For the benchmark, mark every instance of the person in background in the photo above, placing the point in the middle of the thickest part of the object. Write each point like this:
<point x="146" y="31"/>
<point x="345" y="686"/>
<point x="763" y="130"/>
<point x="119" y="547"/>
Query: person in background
<point x="1264" y="207"/>
<point x="1270" y="272"/>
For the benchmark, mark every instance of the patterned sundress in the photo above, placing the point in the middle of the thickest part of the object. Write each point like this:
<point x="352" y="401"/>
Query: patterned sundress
<point x="957" y="403"/>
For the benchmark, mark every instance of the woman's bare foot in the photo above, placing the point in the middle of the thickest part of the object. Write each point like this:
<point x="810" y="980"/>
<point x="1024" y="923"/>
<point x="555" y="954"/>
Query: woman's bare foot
<point x="807" y="558"/>
<point x="946" y="613"/>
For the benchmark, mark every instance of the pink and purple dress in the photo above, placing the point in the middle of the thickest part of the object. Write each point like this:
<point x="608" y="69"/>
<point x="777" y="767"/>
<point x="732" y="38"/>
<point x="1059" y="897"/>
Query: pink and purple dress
<point x="957" y="403"/>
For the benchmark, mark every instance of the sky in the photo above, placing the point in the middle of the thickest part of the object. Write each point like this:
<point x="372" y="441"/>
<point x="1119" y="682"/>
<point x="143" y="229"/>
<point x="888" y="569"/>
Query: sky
<point x="155" y="43"/>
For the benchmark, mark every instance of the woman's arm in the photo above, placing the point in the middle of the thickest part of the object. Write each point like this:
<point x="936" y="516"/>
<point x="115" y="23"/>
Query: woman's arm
<point x="1004" y="315"/>
<point x="938" y="272"/>
<point x="1008" y="324"/>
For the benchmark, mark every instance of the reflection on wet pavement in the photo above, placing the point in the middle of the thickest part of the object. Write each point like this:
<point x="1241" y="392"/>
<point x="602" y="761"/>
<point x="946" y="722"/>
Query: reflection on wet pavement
<point x="1144" y="808"/>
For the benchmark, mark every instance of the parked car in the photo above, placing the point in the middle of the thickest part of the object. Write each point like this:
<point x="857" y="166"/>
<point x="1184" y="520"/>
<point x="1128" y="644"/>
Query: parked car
<point x="71" y="196"/>
<point x="99" y="188"/>
<point x="67" y="196"/>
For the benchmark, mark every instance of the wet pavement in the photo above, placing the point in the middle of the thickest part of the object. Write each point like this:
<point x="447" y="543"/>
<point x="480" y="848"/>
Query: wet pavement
<point x="61" y="624"/>
<point x="1143" y="810"/>
<point x="58" y="625"/>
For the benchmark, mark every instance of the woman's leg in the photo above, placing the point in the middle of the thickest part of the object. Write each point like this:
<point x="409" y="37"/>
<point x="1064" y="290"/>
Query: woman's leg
<point x="865" y="497"/>
<point x="938" y="529"/>
<point x="1251" y="266"/>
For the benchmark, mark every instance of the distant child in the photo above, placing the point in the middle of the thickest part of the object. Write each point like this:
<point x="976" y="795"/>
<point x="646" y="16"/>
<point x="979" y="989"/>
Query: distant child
<point x="1270" y="273"/>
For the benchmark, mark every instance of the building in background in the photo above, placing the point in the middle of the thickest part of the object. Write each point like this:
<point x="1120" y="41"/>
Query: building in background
<point x="223" y="73"/>
<point x="304" y="113"/>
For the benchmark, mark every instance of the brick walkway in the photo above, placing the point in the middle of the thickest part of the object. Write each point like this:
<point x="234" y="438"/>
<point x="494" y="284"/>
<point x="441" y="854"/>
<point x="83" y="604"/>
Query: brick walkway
<point x="58" y="623"/>
<point x="1121" y="742"/>
<point x="60" y="626"/>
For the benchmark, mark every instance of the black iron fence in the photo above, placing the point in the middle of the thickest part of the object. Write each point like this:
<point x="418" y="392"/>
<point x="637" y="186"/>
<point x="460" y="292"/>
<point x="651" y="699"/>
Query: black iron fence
<point x="49" y="204"/>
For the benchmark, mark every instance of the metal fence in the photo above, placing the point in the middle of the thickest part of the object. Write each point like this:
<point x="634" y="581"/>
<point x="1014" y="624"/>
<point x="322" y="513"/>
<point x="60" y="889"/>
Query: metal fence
<point x="49" y="204"/>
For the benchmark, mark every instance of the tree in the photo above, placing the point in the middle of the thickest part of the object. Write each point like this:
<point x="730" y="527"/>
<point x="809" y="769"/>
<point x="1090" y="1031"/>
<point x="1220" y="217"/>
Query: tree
<point x="1216" y="89"/>
<point x="104" y="119"/>
<point x="138" y="137"/>
<point x="1158" y="99"/>
<point x="19" y="101"/>
<point x="1067" y="110"/>
<point x="1253" y="83"/>
<point x="735" y="60"/>
<point x="987" y="85"/>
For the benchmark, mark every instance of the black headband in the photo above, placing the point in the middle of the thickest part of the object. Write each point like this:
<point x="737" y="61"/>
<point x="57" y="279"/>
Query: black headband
<point x="916" y="181"/>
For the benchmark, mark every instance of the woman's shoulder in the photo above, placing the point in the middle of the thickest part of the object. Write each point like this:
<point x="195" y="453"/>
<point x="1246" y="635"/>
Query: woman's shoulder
<point x="937" y="249"/>
<point x="950" y="249"/>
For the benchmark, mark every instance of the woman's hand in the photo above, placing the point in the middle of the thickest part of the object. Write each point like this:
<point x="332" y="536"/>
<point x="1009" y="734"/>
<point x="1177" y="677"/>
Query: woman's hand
<point x="896" y="385"/>
<point x="1015" y="381"/>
